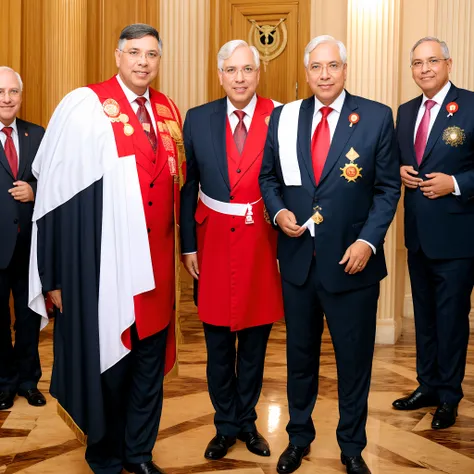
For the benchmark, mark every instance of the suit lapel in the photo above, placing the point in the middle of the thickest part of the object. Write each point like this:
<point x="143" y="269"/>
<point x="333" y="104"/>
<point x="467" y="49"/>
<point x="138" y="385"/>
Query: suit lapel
<point x="218" y="132"/>
<point x="305" y="121"/>
<point x="342" y="134"/>
<point x="441" y="122"/>
<point x="413" y="114"/>
<point x="4" y="161"/>
<point x="24" y="141"/>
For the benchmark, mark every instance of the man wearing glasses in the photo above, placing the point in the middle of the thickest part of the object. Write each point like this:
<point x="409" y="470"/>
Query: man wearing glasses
<point x="108" y="187"/>
<point x="330" y="181"/>
<point x="435" y="133"/>
<point x="229" y="247"/>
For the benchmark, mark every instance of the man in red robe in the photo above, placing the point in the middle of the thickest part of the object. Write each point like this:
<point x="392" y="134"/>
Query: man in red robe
<point x="229" y="246"/>
<point x="104" y="249"/>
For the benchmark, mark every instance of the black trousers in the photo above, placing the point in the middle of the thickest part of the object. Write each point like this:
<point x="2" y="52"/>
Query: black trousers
<point x="133" y="398"/>
<point x="19" y="363"/>
<point x="235" y="375"/>
<point x="351" y="318"/>
<point x="441" y="292"/>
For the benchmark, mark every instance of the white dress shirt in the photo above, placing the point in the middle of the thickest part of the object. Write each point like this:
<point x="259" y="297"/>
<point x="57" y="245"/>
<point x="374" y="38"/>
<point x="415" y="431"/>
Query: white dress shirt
<point x="333" y="117"/>
<point x="249" y="111"/>
<point x="439" y="99"/>
<point x="131" y="96"/>
<point x="16" y="141"/>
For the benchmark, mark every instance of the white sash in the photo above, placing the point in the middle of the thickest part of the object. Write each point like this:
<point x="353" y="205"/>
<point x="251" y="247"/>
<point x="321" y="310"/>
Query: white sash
<point x="287" y="141"/>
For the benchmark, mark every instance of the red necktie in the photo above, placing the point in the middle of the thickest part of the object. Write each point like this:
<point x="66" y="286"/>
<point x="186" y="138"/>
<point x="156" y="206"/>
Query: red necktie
<point x="10" y="151"/>
<point x="320" y="143"/>
<point x="145" y="120"/>
<point x="422" y="132"/>
<point x="240" y="132"/>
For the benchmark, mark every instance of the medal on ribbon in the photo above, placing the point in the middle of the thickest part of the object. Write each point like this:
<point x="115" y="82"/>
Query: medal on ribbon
<point x="353" y="119"/>
<point x="351" y="171"/>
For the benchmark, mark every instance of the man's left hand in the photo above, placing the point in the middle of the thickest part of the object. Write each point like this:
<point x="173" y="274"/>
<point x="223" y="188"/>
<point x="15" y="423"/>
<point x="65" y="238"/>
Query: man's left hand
<point x="357" y="255"/>
<point x="438" y="185"/>
<point x="22" y="192"/>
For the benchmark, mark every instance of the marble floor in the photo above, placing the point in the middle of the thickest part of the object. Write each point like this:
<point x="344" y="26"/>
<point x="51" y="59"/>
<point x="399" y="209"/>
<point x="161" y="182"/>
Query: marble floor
<point x="35" y="440"/>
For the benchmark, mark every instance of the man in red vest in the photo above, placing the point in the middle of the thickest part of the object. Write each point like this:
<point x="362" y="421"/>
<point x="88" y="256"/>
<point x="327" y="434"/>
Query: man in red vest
<point x="229" y="246"/>
<point x="104" y="248"/>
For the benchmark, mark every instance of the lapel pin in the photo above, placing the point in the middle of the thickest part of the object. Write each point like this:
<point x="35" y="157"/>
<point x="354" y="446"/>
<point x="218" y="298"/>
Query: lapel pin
<point x="353" y="119"/>
<point x="452" y="108"/>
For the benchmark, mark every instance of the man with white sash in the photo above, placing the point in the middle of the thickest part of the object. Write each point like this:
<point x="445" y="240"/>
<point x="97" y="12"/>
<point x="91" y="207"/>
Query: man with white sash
<point x="229" y="247"/>
<point x="104" y="249"/>
<point x="330" y="182"/>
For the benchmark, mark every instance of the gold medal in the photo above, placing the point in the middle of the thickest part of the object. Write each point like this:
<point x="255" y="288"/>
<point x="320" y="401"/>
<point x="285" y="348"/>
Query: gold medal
<point x="454" y="136"/>
<point x="123" y="118"/>
<point x="111" y="108"/>
<point x="128" y="129"/>
<point x="317" y="218"/>
<point x="352" y="155"/>
<point x="351" y="172"/>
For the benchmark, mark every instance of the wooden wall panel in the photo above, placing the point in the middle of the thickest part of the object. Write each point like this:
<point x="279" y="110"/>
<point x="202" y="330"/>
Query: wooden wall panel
<point x="10" y="34"/>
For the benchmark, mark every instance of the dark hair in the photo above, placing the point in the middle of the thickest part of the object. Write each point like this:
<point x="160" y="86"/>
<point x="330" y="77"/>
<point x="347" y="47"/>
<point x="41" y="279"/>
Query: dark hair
<point x="137" y="31"/>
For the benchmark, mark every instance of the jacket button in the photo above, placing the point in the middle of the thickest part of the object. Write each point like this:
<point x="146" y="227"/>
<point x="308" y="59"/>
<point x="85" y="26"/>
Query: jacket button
<point x="15" y="221"/>
<point x="239" y="170"/>
<point x="149" y="230"/>
<point x="152" y="184"/>
<point x="232" y="229"/>
<point x="150" y="203"/>
<point x="232" y="198"/>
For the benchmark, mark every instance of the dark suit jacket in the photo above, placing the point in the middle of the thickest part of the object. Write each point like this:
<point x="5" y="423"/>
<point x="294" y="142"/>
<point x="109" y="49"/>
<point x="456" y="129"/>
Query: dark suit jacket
<point x="15" y="213"/>
<point x="443" y="227"/>
<point x="362" y="209"/>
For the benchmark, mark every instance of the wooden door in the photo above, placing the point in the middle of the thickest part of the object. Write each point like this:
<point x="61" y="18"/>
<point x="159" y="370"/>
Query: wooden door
<point x="283" y="78"/>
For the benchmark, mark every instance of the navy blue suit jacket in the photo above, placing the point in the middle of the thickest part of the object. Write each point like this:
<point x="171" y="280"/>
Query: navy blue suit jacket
<point x="363" y="209"/>
<point x="15" y="213"/>
<point x="443" y="227"/>
<point x="204" y="134"/>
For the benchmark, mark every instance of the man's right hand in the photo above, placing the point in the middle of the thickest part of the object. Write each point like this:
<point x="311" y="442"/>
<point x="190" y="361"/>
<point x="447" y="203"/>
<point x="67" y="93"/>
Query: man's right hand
<point x="56" y="298"/>
<point x="410" y="181"/>
<point x="286" y="220"/>
<point x="190" y="262"/>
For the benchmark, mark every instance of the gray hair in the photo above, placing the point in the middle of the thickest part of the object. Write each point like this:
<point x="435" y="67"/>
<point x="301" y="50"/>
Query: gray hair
<point x="444" y="46"/>
<point x="6" y="68"/>
<point x="228" y="50"/>
<point x="137" y="31"/>
<point x="315" y="42"/>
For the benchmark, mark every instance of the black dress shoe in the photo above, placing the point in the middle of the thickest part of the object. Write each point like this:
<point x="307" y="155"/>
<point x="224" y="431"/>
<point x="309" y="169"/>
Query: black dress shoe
<point x="445" y="416"/>
<point x="256" y="443"/>
<point x="415" y="400"/>
<point x="355" y="464"/>
<point x="144" y="468"/>
<point x="34" y="397"/>
<point x="218" y="446"/>
<point x="291" y="457"/>
<point x="6" y="400"/>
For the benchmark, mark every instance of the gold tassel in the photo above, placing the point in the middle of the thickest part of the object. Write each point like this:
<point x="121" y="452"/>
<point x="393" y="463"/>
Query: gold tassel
<point x="66" y="417"/>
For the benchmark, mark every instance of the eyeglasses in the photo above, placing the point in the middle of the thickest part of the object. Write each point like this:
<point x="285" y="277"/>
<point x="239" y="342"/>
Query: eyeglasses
<point x="317" y="69"/>
<point x="13" y="93"/>
<point x="432" y="63"/>
<point x="232" y="71"/>
<point x="137" y="54"/>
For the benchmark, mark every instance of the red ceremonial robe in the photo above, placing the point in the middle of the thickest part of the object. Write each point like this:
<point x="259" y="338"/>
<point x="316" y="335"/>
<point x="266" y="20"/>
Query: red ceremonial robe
<point x="239" y="282"/>
<point x="157" y="174"/>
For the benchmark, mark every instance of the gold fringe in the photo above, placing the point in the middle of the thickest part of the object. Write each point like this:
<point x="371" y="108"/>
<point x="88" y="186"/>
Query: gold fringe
<point x="66" y="417"/>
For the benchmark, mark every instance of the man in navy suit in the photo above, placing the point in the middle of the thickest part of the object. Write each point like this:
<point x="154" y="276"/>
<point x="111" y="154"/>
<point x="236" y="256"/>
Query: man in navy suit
<point x="331" y="183"/>
<point x="20" y="368"/>
<point x="435" y="133"/>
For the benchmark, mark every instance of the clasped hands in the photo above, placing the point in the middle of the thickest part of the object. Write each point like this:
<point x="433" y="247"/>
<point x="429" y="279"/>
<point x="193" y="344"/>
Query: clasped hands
<point x="356" y="256"/>
<point x="437" y="185"/>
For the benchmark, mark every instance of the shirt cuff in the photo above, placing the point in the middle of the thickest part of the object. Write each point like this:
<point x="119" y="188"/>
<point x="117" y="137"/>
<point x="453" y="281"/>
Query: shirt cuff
<point x="369" y="244"/>
<point x="275" y="218"/>
<point x="457" y="191"/>
<point x="188" y="253"/>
